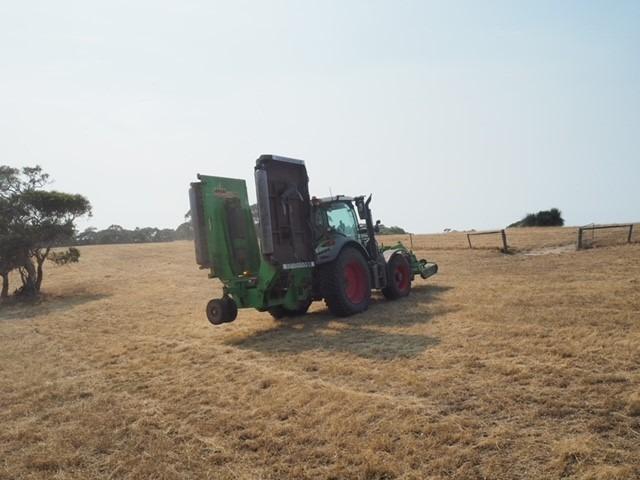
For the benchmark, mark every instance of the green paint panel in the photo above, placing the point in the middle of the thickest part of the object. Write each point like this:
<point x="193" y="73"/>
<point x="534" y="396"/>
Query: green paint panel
<point x="231" y="239"/>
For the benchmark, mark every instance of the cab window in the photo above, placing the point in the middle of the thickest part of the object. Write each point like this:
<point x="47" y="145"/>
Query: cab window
<point x="340" y="218"/>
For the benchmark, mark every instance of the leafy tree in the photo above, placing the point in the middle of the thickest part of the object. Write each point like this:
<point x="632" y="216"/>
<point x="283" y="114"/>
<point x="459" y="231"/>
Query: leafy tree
<point x="13" y="251"/>
<point x="165" y="235"/>
<point x="87" y="237"/>
<point x="112" y="234"/>
<point x="140" y="235"/>
<point x="72" y="255"/>
<point x="184" y="231"/>
<point x="544" y="218"/>
<point x="12" y="256"/>
<point x="393" y="230"/>
<point x="33" y="221"/>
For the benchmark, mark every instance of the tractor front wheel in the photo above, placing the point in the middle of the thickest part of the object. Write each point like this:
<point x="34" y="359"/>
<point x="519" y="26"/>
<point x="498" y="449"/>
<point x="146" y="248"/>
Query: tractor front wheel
<point x="398" y="278"/>
<point x="345" y="283"/>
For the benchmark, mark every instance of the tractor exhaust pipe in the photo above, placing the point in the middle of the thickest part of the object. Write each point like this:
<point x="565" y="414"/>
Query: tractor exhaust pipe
<point x="428" y="269"/>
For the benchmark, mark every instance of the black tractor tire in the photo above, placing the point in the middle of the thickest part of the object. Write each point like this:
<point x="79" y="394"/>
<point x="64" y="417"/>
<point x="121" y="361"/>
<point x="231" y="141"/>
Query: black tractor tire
<point x="221" y="310"/>
<point x="215" y="311"/>
<point x="398" y="278"/>
<point x="231" y="309"/>
<point x="346" y="284"/>
<point x="279" y="311"/>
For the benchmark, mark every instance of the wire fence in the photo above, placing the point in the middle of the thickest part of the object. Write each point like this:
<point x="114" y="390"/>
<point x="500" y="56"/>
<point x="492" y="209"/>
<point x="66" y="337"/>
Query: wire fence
<point x="594" y="235"/>
<point x="505" y="247"/>
<point x="526" y="239"/>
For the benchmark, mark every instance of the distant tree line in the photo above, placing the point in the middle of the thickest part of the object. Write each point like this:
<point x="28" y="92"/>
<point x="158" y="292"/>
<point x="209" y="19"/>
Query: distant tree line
<point x="118" y="234"/>
<point x="544" y="218"/>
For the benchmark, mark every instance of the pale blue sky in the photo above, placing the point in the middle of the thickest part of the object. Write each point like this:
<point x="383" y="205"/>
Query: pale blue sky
<point x="454" y="114"/>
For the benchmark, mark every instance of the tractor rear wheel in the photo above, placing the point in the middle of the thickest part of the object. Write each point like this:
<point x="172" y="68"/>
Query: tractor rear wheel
<point x="345" y="283"/>
<point x="398" y="278"/>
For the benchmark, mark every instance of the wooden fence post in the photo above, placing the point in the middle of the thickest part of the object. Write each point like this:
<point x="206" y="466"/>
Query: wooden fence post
<point x="504" y="241"/>
<point x="630" y="233"/>
<point x="469" y="240"/>
<point x="579" y="238"/>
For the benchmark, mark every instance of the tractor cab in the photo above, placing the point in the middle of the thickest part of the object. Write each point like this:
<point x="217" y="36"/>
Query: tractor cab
<point x="335" y="216"/>
<point x="336" y="223"/>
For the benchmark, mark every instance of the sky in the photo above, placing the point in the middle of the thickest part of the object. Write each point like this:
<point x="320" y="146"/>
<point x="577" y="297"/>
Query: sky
<point x="453" y="114"/>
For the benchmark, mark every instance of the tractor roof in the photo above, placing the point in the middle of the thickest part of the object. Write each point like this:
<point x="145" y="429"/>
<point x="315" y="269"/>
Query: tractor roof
<point x="335" y="198"/>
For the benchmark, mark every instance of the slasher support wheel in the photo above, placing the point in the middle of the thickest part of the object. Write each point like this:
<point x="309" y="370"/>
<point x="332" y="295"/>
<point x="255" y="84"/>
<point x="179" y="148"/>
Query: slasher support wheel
<point x="221" y="310"/>
<point x="398" y="278"/>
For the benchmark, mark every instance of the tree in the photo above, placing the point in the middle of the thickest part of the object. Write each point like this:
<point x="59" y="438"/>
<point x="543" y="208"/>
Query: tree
<point x="113" y="234"/>
<point x="393" y="230"/>
<point x="87" y="237"/>
<point x="140" y="235"/>
<point x="165" y="235"/>
<point x="12" y="256"/>
<point x="184" y="231"/>
<point x="33" y="221"/>
<point x="13" y="253"/>
<point x="544" y="218"/>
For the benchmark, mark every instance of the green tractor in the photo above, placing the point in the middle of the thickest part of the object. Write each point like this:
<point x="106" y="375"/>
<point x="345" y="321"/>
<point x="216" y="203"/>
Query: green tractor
<point x="302" y="249"/>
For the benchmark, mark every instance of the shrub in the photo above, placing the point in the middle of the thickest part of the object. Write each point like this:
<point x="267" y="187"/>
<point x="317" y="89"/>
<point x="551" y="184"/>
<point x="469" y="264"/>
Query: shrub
<point x="544" y="218"/>
<point x="393" y="230"/>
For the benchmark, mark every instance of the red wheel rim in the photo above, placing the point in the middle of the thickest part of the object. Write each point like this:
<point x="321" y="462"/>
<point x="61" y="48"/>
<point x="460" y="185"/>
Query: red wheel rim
<point x="401" y="277"/>
<point x="354" y="276"/>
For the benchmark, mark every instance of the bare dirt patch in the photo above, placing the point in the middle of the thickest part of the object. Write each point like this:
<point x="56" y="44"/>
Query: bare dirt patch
<point x="559" y="250"/>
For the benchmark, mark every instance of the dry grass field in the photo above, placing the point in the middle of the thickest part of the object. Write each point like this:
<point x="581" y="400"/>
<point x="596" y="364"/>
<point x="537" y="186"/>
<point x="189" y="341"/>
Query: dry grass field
<point x="500" y="367"/>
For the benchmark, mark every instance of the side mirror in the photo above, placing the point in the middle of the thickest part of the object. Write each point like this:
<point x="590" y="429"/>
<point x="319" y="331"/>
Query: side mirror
<point x="360" y="206"/>
<point x="377" y="227"/>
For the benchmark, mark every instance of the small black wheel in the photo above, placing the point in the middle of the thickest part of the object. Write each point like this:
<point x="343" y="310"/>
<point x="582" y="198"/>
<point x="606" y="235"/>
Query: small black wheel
<point x="215" y="311"/>
<point x="221" y="310"/>
<point x="231" y="309"/>
<point x="398" y="278"/>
